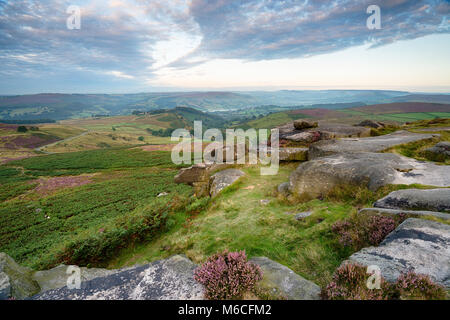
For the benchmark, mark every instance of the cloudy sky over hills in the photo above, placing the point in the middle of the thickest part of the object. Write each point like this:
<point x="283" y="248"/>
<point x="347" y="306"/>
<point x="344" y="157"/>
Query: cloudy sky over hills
<point x="137" y="45"/>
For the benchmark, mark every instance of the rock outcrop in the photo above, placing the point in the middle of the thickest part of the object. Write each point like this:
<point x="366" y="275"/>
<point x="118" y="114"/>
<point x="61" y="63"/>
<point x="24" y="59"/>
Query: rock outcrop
<point x="418" y="245"/>
<point x="371" y="144"/>
<point x="439" y="152"/>
<point x="168" y="279"/>
<point x="409" y="213"/>
<point x="56" y="278"/>
<point x="282" y="282"/>
<point x="417" y="199"/>
<point x="15" y="281"/>
<point x="305" y="124"/>
<point x="373" y="170"/>
<point x="223" y="179"/>
<point x="323" y="131"/>
<point x="371" y="124"/>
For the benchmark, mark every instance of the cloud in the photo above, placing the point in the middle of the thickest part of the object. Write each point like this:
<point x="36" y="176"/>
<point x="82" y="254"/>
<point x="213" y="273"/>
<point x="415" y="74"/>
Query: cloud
<point x="115" y="35"/>
<point x="130" y="40"/>
<point x="258" y="30"/>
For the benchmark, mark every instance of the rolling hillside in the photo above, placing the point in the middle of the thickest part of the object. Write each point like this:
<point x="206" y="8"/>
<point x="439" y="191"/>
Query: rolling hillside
<point x="70" y="106"/>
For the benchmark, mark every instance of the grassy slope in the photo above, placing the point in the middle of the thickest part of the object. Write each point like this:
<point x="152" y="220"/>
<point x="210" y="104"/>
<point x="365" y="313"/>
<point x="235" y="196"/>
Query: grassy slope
<point x="128" y="180"/>
<point x="236" y="220"/>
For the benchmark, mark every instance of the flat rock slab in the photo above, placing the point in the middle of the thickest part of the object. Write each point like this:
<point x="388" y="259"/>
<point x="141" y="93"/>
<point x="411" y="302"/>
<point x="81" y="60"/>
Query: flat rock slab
<point x="418" y="245"/>
<point x="370" y="144"/>
<point x="373" y="170"/>
<point x="57" y="277"/>
<point x="169" y="279"/>
<point x="282" y="281"/>
<point x="418" y="213"/>
<point x="5" y="286"/>
<point x="223" y="179"/>
<point x="417" y="199"/>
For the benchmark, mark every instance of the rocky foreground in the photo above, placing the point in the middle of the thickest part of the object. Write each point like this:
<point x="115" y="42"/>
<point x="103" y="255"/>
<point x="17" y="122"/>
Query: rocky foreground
<point x="418" y="245"/>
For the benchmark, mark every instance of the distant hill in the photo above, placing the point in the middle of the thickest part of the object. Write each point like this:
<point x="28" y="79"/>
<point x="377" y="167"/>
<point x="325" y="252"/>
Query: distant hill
<point x="402" y="107"/>
<point x="399" y="112"/>
<point x="69" y="106"/>
<point x="433" y="98"/>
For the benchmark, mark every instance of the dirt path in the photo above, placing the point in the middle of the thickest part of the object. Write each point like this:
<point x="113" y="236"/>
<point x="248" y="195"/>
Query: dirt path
<point x="60" y="141"/>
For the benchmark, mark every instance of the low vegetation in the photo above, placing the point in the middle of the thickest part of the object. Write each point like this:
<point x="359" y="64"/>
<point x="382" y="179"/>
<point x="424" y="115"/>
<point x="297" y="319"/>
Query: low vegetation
<point x="85" y="224"/>
<point x="228" y="275"/>
<point x="350" y="283"/>
<point x="364" y="230"/>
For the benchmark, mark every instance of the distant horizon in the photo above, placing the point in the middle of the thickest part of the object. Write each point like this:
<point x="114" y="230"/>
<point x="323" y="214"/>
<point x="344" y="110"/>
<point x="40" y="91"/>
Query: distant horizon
<point x="220" y="90"/>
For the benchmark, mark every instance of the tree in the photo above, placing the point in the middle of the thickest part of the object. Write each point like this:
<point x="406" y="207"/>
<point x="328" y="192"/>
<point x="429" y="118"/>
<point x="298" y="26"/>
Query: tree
<point x="22" y="129"/>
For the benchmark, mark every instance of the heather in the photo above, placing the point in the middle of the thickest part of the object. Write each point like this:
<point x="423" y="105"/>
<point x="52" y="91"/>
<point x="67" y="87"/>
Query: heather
<point x="363" y="230"/>
<point x="350" y="283"/>
<point x="412" y="286"/>
<point x="227" y="275"/>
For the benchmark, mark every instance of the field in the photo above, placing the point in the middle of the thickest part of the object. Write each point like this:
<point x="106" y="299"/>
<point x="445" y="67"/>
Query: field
<point x="392" y="113"/>
<point x="97" y="192"/>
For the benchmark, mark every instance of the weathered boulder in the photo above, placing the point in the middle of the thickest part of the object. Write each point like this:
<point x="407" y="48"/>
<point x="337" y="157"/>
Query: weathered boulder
<point x="57" y="277"/>
<point x="281" y="281"/>
<point x="417" y="199"/>
<point x="414" y="213"/>
<point x="223" y="179"/>
<point x="5" y="286"/>
<point x="371" y="124"/>
<point x="286" y="153"/>
<point x="293" y="154"/>
<point x="418" y="245"/>
<point x="370" y="144"/>
<point x="195" y="173"/>
<point x="439" y="152"/>
<point x="168" y="279"/>
<point x="324" y="131"/>
<point x="305" y="124"/>
<point x="373" y="170"/>
<point x="21" y="283"/>
<point x="283" y="189"/>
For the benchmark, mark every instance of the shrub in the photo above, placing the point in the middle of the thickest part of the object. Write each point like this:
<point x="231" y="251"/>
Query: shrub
<point x="412" y="286"/>
<point x="22" y="129"/>
<point x="364" y="230"/>
<point x="227" y="275"/>
<point x="350" y="283"/>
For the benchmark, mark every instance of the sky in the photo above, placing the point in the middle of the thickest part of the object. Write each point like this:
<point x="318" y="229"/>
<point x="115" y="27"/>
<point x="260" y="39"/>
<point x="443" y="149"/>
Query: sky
<point x="124" y="46"/>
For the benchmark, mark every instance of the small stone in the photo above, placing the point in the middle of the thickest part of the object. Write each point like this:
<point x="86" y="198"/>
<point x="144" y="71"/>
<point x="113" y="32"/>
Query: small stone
<point x="283" y="189"/>
<point x="162" y="194"/>
<point x="264" y="202"/>
<point x="302" y="215"/>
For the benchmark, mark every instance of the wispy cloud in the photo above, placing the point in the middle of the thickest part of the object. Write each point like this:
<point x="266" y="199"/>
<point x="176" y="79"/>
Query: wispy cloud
<point x="130" y="40"/>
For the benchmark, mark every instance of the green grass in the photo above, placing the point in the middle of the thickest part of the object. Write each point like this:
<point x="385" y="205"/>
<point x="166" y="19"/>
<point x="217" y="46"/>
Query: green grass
<point x="32" y="239"/>
<point x="93" y="161"/>
<point x="129" y="180"/>
<point x="236" y="220"/>
<point x="273" y="120"/>
<point x="417" y="149"/>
